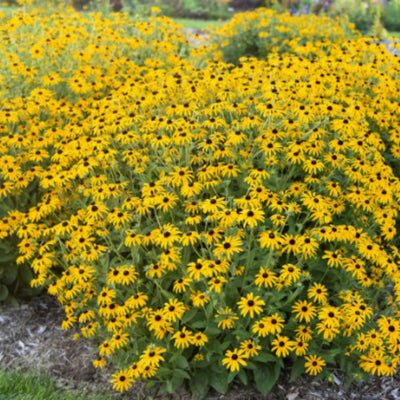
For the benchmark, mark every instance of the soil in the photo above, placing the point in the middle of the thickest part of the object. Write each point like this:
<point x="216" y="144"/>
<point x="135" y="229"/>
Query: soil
<point x="31" y="339"/>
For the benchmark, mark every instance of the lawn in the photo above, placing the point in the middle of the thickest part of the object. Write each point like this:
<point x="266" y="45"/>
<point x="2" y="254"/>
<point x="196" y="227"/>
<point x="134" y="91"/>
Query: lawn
<point x="198" y="23"/>
<point x="18" y="385"/>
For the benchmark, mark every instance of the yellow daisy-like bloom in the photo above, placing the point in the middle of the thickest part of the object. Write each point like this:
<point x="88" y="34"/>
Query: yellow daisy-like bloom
<point x="250" y="348"/>
<point x="282" y="346"/>
<point x="183" y="338"/>
<point x="266" y="278"/>
<point x="99" y="362"/>
<point x="290" y="274"/>
<point x="234" y="359"/>
<point x="216" y="283"/>
<point x="314" y="364"/>
<point x="300" y="347"/>
<point x="174" y="309"/>
<point x="251" y="305"/>
<point x="152" y="356"/>
<point x="122" y="381"/>
<point x="228" y="247"/>
<point x="226" y="318"/>
<point x="304" y="310"/>
<point x="199" y="339"/>
<point x="271" y="240"/>
<point x="318" y="293"/>
<point x="251" y="217"/>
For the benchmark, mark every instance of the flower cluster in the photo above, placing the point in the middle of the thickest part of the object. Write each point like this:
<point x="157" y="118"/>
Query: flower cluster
<point x="265" y="31"/>
<point x="207" y="223"/>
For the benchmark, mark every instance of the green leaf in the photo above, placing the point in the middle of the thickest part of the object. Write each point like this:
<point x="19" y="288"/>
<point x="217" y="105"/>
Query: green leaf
<point x="199" y="384"/>
<point x="297" y="369"/>
<point x="211" y="331"/>
<point x="6" y="258"/>
<point x="209" y="311"/>
<point x="219" y="381"/>
<point x="25" y="275"/>
<point x="232" y="375"/>
<point x="12" y="302"/>
<point x="10" y="273"/>
<point x="294" y="295"/>
<point x="163" y="371"/>
<point x="3" y="292"/>
<point x="189" y="316"/>
<point x="181" y="373"/>
<point x="242" y="375"/>
<point x="178" y="360"/>
<point x="241" y="333"/>
<point x="265" y="377"/>
<point x="265" y="357"/>
<point x="198" y="324"/>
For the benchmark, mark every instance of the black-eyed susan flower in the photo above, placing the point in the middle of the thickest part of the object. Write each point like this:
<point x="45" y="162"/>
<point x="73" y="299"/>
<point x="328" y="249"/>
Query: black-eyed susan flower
<point x="226" y="318"/>
<point x="190" y="238"/>
<point x="216" y="283"/>
<point x="318" y="293"/>
<point x="314" y="364"/>
<point x="304" y="310"/>
<point x="300" y="347"/>
<point x="270" y="239"/>
<point x="261" y="328"/>
<point x="374" y="363"/>
<point x="304" y="332"/>
<point x="250" y="348"/>
<point x="99" y="362"/>
<point x="199" y="339"/>
<point x="152" y="356"/>
<point x="251" y="217"/>
<point x="234" y="359"/>
<point x="119" y="339"/>
<point x="174" y="309"/>
<point x="181" y="284"/>
<point x="290" y="274"/>
<point x="228" y="247"/>
<point x="251" y="305"/>
<point x="282" y="346"/>
<point x="266" y="278"/>
<point x="167" y="235"/>
<point x="291" y="244"/>
<point x="199" y="298"/>
<point x="183" y="338"/>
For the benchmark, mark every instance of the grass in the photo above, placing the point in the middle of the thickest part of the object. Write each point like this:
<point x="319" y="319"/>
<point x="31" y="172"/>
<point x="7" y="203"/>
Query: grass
<point x="18" y="385"/>
<point x="198" y="23"/>
<point x="394" y="34"/>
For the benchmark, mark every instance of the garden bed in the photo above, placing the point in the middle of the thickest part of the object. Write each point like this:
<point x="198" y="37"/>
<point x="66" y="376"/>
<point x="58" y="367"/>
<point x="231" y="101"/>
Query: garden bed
<point x="191" y="207"/>
<point x="31" y="339"/>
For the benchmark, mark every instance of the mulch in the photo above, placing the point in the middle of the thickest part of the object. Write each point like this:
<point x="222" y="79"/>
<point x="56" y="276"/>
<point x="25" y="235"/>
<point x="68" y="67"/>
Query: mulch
<point x="31" y="339"/>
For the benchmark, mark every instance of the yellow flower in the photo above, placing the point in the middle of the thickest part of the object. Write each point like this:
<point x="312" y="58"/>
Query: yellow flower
<point x="314" y="364"/>
<point x="183" y="338"/>
<point x="282" y="346"/>
<point x="250" y="305"/>
<point x="234" y="359"/>
<point x="122" y="381"/>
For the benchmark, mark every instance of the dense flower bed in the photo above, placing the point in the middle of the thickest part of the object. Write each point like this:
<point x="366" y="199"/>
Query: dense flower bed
<point x="204" y="221"/>
<point x="265" y="31"/>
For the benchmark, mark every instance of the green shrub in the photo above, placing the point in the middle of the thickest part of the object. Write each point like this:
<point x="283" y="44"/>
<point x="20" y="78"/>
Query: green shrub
<point x="197" y="9"/>
<point x="265" y="31"/>
<point x="391" y="16"/>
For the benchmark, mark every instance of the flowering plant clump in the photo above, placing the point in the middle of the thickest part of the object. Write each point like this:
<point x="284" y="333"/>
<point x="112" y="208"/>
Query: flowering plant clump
<point x="75" y="58"/>
<point x="206" y="224"/>
<point x="263" y="31"/>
